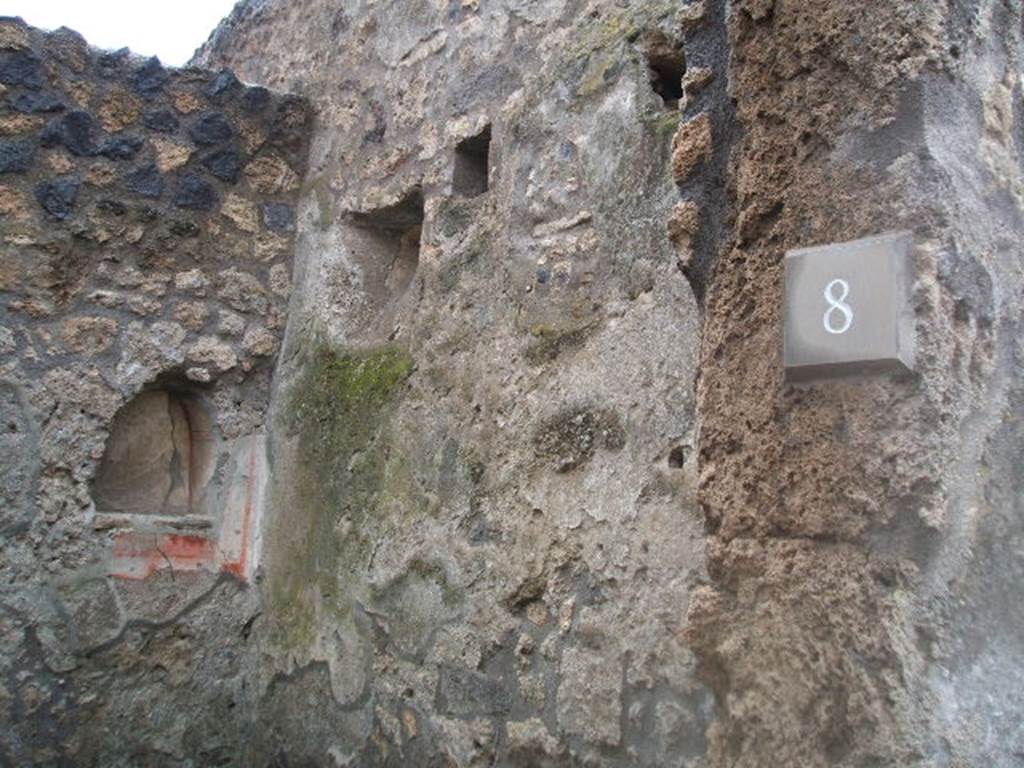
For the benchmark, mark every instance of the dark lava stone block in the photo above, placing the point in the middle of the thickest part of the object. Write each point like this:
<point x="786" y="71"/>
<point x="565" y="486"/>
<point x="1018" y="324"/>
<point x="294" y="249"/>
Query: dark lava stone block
<point x="223" y="86"/>
<point x="16" y="155"/>
<point x="21" y="69"/>
<point x="76" y="131"/>
<point x="278" y="217"/>
<point x="161" y="120"/>
<point x="211" y="128"/>
<point x="150" y="77"/>
<point x="255" y="99"/>
<point x="121" y="147"/>
<point x="57" y="197"/>
<point x="146" y="181"/>
<point x="110" y="61"/>
<point x="34" y="102"/>
<point x="289" y="127"/>
<point x="193" y="193"/>
<point x="225" y="164"/>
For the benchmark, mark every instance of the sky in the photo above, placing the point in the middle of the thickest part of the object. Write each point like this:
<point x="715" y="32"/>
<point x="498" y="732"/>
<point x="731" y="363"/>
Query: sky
<point x="170" y="29"/>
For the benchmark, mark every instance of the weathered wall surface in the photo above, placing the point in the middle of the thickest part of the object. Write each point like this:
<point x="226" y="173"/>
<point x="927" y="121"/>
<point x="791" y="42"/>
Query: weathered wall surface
<point x="864" y="534"/>
<point x="482" y="533"/>
<point x="146" y="226"/>
<point x="538" y="491"/>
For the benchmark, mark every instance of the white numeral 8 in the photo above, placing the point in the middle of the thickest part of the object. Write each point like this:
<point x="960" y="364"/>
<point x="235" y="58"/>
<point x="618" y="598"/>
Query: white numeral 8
<point x="836" y="304"/>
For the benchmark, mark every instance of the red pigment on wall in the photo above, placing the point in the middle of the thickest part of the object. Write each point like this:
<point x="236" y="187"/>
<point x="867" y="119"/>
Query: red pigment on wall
<point x="138" y="556"/>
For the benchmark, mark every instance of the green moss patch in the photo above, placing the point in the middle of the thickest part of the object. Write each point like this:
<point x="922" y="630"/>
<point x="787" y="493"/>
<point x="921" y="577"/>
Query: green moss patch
<point x="337" y="392"/>
<point x="337" y="501"/>
<point x="665" y="125"/>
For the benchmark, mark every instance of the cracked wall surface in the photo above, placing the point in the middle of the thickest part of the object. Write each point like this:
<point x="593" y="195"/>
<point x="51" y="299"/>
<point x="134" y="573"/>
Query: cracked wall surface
<point x="515" y="478"/>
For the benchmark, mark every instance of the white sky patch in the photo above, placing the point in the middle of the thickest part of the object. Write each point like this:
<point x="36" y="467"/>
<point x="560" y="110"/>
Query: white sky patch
<point x="171" y="30"/>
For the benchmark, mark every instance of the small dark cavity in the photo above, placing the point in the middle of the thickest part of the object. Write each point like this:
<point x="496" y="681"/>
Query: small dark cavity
<point x="666" y="65"/>
<point x="677" y="457"/>
<point x="471" y="176"/>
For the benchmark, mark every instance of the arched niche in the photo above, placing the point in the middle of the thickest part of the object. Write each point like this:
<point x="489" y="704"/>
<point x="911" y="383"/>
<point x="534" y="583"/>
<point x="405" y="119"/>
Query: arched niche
<point x="159" y="457"/>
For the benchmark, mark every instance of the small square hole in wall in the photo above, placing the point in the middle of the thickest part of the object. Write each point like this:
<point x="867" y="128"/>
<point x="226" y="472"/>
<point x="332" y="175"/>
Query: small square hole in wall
<point x="472" y="164"/>
<point x="666" y="66"/>
<point x="386" y="242"/>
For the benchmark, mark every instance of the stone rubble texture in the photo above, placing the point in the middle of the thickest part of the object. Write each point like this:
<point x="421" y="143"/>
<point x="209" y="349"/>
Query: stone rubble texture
<point x="531" y="487"/>
<point x="112" y="284"/>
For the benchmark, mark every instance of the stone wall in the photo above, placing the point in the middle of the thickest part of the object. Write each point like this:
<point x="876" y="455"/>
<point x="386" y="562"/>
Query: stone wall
<point x="852" y="523"/>
<point x="537" y="491"/>
<point x="146" y="229"/>
<point x="482" y="531"/>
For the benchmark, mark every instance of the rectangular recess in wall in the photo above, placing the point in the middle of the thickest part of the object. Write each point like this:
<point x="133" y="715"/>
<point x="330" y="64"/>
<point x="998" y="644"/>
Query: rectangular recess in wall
<point x="471" y="176"/>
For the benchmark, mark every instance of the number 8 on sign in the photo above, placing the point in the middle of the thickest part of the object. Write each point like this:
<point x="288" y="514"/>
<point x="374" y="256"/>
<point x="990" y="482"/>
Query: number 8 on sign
<point x="836" y="304"/>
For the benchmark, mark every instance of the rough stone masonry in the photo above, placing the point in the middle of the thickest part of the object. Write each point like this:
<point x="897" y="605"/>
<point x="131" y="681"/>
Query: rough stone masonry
<point x="402" y="385"/>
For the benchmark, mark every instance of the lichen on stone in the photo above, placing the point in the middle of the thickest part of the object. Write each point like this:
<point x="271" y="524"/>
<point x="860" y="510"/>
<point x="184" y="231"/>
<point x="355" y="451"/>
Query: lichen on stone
<point x="549" y="342"/>
<point x="570" y="438"/>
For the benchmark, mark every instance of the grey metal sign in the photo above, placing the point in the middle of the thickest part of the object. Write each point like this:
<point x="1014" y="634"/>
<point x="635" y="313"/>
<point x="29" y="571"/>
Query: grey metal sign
<point x="848" y="308"/>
